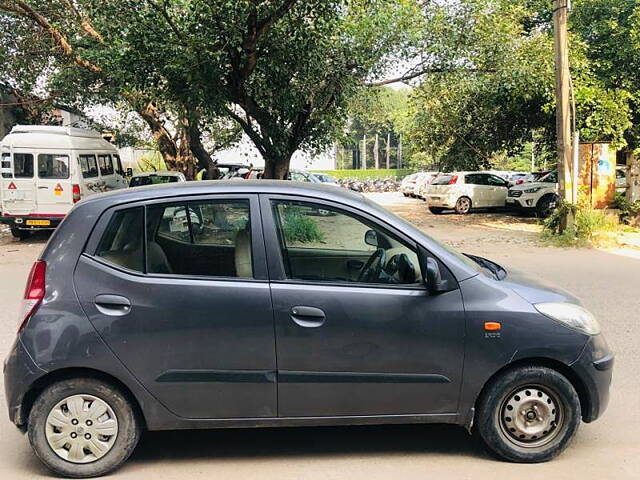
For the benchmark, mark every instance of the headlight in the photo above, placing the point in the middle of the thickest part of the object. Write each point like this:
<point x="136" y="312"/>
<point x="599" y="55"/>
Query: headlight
<point x="533" y="190"/>
<point x="573" y="316"/>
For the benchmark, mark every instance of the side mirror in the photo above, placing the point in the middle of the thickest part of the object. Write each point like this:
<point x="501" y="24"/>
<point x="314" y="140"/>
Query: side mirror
<point x="433" y="276"/>
<point x="129" y="172"/>
<point x="371" y="238"/>
<point x="509" y="184"/>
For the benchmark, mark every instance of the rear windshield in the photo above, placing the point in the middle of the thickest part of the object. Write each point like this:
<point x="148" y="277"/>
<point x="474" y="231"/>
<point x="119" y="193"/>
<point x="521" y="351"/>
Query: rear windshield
<point x="51" y="165"/>
<point x="442" y="180"/>
<point x="22" y="165"/>
<point x="152" y="180"/>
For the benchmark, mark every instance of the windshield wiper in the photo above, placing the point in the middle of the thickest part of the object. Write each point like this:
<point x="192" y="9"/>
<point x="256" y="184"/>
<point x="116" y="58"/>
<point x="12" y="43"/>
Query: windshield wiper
<point x="498" y="272"/>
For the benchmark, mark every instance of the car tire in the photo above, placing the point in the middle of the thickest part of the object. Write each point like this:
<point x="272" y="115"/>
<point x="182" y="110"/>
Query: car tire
<point x="436" y="210"/>
<point x="544" y="205"/>
<point x="463" y="206"/>
<point x="100" y="442"/>
<point x="502" y="419"/>
<point x="20" y="234"/>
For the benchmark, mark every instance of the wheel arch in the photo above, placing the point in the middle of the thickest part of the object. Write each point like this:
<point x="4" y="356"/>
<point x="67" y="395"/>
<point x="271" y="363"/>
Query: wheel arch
<point x="562" y="368"/>
<point x="76" y="372"/>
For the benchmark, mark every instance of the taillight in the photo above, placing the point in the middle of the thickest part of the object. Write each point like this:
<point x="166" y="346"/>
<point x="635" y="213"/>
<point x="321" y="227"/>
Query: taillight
<point x="33" y="293"/>
<point x="453" y="180"/>
<point x="75" y="189"/>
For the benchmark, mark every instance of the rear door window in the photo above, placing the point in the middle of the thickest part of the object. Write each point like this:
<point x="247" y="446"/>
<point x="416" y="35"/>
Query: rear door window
<point x="51" y="165"/>
<point x="22" y="165"/>
<point x="122" y="242"/>
<point x="442" y="180"/>
<point x="106" y="164"/>
<point x="88" y="166"/>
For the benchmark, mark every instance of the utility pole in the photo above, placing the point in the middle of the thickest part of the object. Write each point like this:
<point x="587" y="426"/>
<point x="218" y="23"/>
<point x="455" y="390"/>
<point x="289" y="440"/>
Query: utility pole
<point x="376" y="153"/>
<point x="563" y="80"/>
<point x="400" y="151"/>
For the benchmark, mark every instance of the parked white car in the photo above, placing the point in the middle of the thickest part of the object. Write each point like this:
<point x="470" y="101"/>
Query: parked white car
<point x="45" y="170"/>
<point x="408" y="184"/>
<point x="464" y="191"/>
<point x="154" y="178"/>
<point x="422" y="184"/>
<point x="539" y="197"/>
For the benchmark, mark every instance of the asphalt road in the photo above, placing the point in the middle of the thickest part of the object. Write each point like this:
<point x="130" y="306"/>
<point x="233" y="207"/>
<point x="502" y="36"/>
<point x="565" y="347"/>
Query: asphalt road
<point x="609" y="448"/>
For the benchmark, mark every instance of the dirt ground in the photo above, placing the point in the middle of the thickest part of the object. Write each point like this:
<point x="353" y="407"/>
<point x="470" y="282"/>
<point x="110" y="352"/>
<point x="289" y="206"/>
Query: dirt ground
<point x="606" y="449"/>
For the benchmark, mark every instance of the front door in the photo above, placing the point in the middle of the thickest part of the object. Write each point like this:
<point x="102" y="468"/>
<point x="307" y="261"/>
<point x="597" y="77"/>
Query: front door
<point x="54" y="195"/>
<point x="192" y="321"/>
<point x="369" y="342"/>
<point x="499" y="188"/>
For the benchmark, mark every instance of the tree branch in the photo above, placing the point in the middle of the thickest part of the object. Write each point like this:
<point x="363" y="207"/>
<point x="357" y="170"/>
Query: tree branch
<point x="84" y="22"/>
<point x="163" y="11"/>
<point x="415" y="74"/>
<point x="24" y="10"/>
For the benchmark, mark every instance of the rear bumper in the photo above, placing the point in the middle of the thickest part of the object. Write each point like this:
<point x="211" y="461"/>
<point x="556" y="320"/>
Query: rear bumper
<point x="594" y="367"/>
<point x="19" y="374"/>
<point x="32" y="222"/>
<point x="441" y="201"/>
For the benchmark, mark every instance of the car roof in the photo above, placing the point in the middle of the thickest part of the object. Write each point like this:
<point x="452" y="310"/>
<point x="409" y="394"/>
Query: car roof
<point x="204" y="187"/>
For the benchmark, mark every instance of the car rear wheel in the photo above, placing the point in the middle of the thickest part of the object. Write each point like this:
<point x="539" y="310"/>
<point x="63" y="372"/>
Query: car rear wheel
<point x="436" y="210"/>
<point x="463" y="205"/>
<point x="82" y="427"/>
<point x="21" y="234"/>
<point x="528" y="415"/>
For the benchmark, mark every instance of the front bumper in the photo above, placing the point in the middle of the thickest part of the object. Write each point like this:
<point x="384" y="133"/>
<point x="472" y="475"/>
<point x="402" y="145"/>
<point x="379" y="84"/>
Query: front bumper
<point x="20" y="372"/>
<point x="594" y="368"/>
<point x="31" y="222"/>
<point x="523" y="203"/>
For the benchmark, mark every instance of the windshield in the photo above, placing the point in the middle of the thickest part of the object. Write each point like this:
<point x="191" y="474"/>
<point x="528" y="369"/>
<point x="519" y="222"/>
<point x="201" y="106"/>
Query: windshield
<point x="550" y="178"/>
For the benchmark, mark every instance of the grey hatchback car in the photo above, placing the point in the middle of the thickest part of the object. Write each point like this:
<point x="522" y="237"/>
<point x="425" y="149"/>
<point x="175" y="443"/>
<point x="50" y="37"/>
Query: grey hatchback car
<point x="263" y="303"/>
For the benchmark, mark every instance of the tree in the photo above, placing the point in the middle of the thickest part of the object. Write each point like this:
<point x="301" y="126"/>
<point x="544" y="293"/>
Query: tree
<point x="57" y="51"/>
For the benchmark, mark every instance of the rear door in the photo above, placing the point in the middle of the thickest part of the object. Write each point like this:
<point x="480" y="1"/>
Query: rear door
<point x="54" y="195"/>
<point x="498" y="188"/>
<point x="194" y="322"/>
<point x="18" y="183"/>
<point x="477" y="189"/>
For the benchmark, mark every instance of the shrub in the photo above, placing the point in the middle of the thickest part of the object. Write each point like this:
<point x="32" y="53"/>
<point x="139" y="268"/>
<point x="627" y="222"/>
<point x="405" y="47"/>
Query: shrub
<point x="300" y="228"/>
<point x="629" y="212"/>
<point x="588" y="228"/>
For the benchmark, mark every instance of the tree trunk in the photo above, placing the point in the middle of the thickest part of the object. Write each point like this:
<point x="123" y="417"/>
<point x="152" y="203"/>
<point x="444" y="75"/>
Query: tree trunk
<point x="388" y="150"/>
<point x="364" y="152"/>
<point x="376" y="152"/>
<point x="399" y="152"/>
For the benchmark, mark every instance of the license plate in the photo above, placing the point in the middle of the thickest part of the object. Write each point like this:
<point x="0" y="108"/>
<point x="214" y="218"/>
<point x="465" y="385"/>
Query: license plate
<point x="510" y="200"/>
<point x="39" y="223"/>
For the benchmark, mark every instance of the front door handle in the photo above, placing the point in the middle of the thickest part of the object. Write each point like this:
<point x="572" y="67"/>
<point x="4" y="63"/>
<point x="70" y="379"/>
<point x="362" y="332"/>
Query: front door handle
<point x="114" y="305"/>
<point x="308" y="317"/>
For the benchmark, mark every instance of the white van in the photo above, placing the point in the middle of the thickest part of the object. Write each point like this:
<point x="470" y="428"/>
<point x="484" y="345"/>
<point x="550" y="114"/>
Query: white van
<point x="45" y="170"/>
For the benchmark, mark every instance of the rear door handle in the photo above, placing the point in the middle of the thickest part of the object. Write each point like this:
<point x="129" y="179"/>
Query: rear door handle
<point x="115" y="305"/>
<point x="308" y="317"/>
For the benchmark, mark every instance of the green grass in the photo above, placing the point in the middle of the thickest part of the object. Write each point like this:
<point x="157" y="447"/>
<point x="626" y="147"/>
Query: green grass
<point x="591" y="227"/>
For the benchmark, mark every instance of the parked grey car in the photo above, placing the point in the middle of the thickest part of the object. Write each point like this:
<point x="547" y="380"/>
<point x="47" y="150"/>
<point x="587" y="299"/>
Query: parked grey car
<point x="264" y="313"/>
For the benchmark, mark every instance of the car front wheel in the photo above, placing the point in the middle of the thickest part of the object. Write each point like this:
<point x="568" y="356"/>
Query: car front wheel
<point x="82" y="427"/>
<point x="528" y="415"/>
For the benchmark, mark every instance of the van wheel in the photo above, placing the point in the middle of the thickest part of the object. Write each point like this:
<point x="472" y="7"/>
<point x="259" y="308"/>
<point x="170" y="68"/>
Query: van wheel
<point x="436" y="210"/>
<point x="463" y="205"/>
<point x="528" y="415"/>
<point x="20" y="234"/>
<point x="82" y="427"/>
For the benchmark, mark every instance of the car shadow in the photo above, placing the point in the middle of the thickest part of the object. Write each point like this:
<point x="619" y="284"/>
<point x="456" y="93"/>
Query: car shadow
<point x="301" y="442"/>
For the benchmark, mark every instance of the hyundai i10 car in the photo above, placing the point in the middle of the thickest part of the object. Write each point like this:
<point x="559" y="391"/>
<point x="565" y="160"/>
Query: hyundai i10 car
<point x="236" y="304"/>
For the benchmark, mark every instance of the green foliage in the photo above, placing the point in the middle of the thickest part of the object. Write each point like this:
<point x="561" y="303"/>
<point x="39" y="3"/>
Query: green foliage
<point x="590" y="225"/>
<point x="299" y="228"/>
<point x="629" y="212"/>
<point x="369" y="174"/>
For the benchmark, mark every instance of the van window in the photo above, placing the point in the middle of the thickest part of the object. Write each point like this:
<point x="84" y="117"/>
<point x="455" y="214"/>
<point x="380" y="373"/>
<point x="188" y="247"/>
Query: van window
<point x="22" y="165"/>
<point x="106" y="165"/>
<point x="118" y="163"/>
<point x="211" y="238"/>
<point x="89" y="166"/>
<point x="53" y="166"/>
<point x="121" y="243"/>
